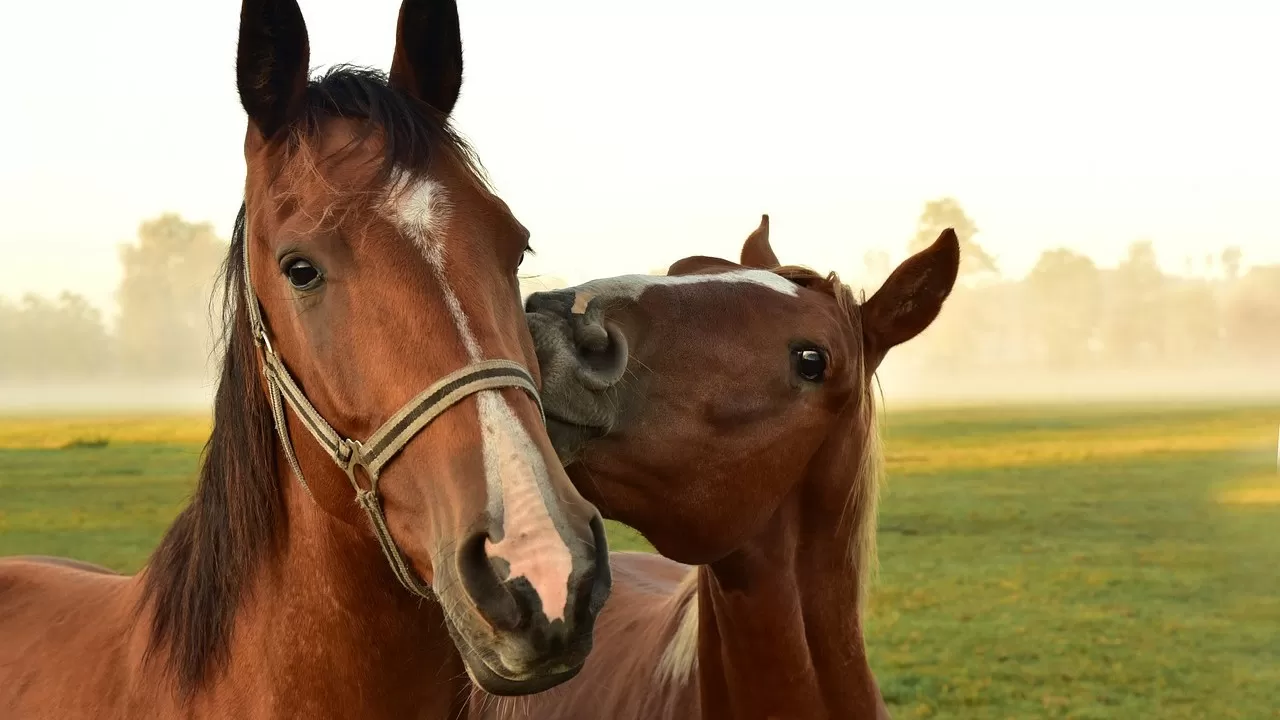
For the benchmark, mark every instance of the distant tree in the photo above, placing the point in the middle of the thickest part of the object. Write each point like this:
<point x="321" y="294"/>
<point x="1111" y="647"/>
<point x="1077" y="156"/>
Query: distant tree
<point x="1064" y="290"/>
<point x="52" y="339"/>
<point x="1134" y="327"/>
<point x="1192" y="318"/>
<point x="980" y="328"/>
<point x="165" y="325"/>
<point x="9" y="341"/>
<point x="1231" y="258"/>
<point x="1252" y="315"/>
<point x="938" y="215"/>
<point x="81" y="342"/>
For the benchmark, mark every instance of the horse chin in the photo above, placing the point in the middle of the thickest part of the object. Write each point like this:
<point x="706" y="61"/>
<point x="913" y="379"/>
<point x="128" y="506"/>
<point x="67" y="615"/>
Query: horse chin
<point x="686" y="553"/>
<point x="674" y="542"/>
<point x="569" y="438"/>
<point x="495" y="683"/>
<point x="490" y="674"/>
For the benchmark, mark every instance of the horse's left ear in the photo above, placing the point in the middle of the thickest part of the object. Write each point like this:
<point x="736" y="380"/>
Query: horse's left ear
<point x="756" y="251"/>
<point x="911" y="297"/>
<point x="427" y="62"/>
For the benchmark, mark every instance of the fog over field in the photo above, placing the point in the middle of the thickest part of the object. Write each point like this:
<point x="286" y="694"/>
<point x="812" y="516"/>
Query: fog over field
<point x="1068" y="330"/>
<point x="1113" y="184"/>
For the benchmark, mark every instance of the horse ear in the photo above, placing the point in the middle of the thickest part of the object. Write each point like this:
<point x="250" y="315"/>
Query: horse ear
<point x="756" y="251"/>
<point x="911" y="297"/>
<point x="427" y="63"/>
<point x="271" y="63"/>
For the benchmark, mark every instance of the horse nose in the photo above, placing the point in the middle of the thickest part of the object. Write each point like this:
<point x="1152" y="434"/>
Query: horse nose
<point x="512" y="604"/>
<point x="602" y="354"/>
<point x="574" y="328"/>
<point x="553" y="302"/>
<point x="491" y="595"/>
<point x="595" y="591"/>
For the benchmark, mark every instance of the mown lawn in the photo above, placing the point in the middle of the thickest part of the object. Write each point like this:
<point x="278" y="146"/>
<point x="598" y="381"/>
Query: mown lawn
<point x="1085" y="562"/>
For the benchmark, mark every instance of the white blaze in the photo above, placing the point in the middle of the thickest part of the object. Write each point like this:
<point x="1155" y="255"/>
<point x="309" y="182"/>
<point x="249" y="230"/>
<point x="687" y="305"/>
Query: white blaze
<point x="632" y="287"/>
<point x="516" y="477"/>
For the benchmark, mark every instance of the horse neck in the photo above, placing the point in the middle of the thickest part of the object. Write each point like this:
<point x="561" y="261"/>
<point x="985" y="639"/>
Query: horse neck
<point x="779" y="619"/>
<point x="335" y="634"/>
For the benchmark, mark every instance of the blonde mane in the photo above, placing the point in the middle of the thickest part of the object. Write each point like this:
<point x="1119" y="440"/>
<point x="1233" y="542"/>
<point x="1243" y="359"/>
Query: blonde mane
<point x="864" y="489"/>
<point x="681" y="654"/>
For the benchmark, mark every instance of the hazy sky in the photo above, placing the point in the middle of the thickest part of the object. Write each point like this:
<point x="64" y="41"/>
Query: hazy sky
<point x="627" y="138"/>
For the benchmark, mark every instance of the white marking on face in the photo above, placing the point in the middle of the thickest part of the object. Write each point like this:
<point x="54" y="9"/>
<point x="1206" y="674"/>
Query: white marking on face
<point x="421" y="208"/>
<point x="631" y="287"/>
<point x="517" y="480"/>
<point x="581" y="300"/>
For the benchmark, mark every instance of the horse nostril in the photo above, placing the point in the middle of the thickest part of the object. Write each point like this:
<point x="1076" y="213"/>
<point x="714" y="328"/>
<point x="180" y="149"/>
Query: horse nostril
<point x="492" y="598"/>
<point x="593" y="338"/>
<point x="602" y="354"/>
<point x="601" y="583"/>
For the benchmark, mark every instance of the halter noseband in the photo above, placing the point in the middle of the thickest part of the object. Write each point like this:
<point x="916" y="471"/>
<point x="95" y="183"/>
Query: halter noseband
<point x="374" y="453"/>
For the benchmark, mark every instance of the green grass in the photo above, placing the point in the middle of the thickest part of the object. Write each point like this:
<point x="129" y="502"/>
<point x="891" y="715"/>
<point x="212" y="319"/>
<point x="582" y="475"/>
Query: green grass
<point x="1083" y="562"/>
<point x="1080" y="563"/>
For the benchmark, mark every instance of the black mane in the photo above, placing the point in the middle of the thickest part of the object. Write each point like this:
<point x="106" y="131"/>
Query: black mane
<point x="200" y="572"/>
<point x="411" y="130"/>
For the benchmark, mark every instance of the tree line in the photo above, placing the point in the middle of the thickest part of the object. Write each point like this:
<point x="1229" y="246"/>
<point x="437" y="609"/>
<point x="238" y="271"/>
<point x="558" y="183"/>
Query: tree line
<point x="165" y="328"/>
<point x="1066" y="315"/>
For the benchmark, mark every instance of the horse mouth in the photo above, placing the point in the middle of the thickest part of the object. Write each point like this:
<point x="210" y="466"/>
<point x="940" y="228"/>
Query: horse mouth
<point x="505" y="683"/>
<point x="494" y="682"/>
<point x="574" y="424"/>
<point x="569" y="437"/>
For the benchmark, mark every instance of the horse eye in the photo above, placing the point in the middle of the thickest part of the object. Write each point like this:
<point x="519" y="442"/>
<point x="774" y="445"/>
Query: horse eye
<point x="811" y="364"/>
<point x="302" y="274"/>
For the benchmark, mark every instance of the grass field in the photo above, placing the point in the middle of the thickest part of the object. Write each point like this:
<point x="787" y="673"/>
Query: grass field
<point x="1083" y="562"/>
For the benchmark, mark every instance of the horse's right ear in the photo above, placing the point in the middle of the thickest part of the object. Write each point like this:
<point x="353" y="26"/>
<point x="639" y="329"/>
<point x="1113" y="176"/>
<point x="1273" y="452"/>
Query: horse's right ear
<point x="271" y="63"/>
<point x="756" y="251"/>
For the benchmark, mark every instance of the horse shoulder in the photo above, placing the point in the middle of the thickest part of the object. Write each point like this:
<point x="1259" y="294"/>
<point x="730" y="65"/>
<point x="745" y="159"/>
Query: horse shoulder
<point x="65" y="626"/>
<point x="65" y="562"/>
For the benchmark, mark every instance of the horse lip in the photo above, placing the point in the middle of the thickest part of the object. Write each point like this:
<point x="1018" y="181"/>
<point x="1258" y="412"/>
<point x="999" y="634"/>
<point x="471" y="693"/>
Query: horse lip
<point x="533" y="681"/>
<point x="500" y="683"/>
<point x="552" y="417"/>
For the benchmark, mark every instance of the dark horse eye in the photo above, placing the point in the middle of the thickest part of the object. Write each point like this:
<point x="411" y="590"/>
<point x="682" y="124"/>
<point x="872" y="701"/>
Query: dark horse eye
<point x="302" y="274"/>
<point x="811" y="364"/>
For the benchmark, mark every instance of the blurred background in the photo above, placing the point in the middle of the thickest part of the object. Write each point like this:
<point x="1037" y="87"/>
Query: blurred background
<point x="1083" y="504"/>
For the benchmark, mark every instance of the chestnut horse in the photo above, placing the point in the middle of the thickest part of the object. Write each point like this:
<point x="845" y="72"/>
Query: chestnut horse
<point x="726" y="411"/>
<point x="370" y="293"/>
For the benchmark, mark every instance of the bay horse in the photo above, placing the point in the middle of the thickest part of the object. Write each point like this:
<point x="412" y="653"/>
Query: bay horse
<point x="726" y="411"/>
<point x="370" y="293"/>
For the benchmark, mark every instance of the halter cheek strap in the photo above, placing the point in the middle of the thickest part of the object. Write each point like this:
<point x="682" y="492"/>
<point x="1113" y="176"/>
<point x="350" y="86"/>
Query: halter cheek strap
<point x="374" y="453"/>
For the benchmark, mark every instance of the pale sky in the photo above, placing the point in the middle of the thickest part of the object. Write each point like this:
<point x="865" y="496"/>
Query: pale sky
<point x="628" y="138"/>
